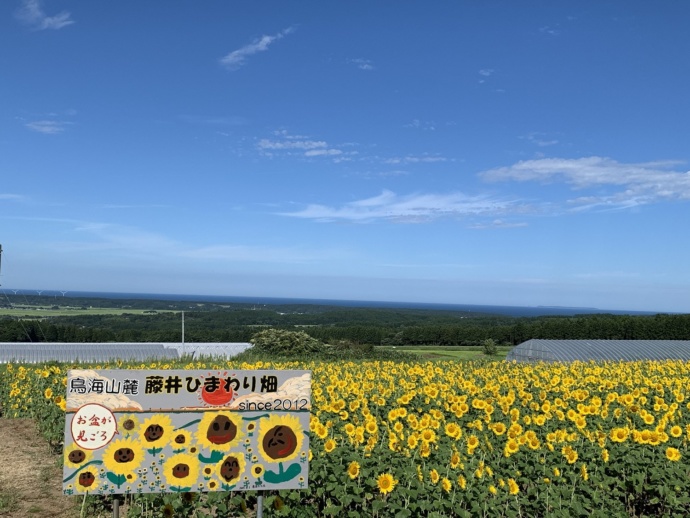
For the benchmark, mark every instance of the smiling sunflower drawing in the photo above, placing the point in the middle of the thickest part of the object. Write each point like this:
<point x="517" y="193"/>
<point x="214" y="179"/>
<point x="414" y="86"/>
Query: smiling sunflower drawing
<point x="123" y="456"/>
<point x="219" y="431"/>
<point x="181" y="470"/>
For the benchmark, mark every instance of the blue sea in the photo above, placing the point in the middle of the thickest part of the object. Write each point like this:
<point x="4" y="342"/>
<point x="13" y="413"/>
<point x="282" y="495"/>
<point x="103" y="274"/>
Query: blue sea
<point x="512" y="311"/>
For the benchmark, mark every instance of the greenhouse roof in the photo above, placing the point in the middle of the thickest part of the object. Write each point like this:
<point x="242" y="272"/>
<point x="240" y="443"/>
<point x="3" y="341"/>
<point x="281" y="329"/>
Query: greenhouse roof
<point x="613" y="350"/>
<point x="37" y="352"/>
<point x="32" y="352"/>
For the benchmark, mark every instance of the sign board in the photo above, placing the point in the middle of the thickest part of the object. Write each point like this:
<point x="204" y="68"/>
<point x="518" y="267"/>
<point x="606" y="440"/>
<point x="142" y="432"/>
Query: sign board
<point x="154" y="431"/>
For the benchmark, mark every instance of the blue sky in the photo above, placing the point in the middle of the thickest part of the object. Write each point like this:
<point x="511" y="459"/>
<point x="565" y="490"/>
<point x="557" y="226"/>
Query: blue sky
<point x="495" y="152"/>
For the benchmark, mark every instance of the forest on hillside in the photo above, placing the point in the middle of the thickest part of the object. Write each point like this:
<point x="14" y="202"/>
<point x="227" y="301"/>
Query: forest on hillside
<point x="212" y="322"/>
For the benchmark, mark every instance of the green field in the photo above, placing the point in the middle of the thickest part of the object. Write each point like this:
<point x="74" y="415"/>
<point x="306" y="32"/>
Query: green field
<point x="39" y="312"/>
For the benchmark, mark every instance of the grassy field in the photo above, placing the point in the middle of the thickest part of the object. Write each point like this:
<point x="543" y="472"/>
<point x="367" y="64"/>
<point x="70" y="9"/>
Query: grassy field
<point x="38" y="312"/>
<point x="450" y="352"/>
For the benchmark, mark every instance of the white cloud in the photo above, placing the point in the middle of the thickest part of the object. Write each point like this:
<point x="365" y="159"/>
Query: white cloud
<point x="618" y="185"/>
<point x="300" y="145"/>
<point x="323" y="152"/>
<point x="237" y="58"/>
<point x="266" y="144"/>
<point x="363" y="64"/>
<point x="411" y="159"/>
<point x="486" y="72"/>
<point x="47" y="127"/>
<point x="412" y="208"/>
<point x="31" y="13"/>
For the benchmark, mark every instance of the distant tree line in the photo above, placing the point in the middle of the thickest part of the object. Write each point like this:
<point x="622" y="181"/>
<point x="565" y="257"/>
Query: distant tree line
<point x="360" y="326"/>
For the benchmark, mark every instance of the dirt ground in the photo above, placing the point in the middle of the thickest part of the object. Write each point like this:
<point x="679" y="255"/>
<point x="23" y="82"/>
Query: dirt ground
<point x="30" y="476"/>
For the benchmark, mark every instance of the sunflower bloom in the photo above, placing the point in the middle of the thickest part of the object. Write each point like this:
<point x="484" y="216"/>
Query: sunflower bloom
<point x="446" y="484"/>
<point x="353" y="469"/>
<point x="386" y="483"/>
<point x="673" y="454"/>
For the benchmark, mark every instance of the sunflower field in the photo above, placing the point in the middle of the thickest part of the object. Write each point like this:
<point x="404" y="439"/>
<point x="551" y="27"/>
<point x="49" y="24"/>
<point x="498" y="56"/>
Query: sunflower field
<point x="439" y="439"/>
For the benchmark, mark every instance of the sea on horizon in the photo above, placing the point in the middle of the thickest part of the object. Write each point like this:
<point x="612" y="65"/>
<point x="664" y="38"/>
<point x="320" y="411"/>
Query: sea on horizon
<point x="512" y="311"/>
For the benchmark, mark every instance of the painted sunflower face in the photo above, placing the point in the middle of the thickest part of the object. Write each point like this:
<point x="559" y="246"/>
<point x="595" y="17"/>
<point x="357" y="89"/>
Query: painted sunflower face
<point x="128" y="424"/>
<point x="231" y="468"/>
<point x="219" y="431"/>
<point x="181" y="470"/>
<point x="156" y="429"/>
<point x="280" y="438"/>
<point x="75" y="457"/>
<point x="123" y="456"/>
<point x="279" y="442"/>
<point x="87" y="481"/>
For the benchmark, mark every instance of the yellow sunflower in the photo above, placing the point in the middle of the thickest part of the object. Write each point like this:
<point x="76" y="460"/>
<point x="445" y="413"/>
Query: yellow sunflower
<point x="446" y="484"/>
<point x="257" y="470"/>
<point x="86" y="481"/>
<point x="673" y="454"/>
<point x="353" y="469"/>
<point x="386" y="483"/>
<point x="155" y="431"/>
<point x="128" y="425"/>
<point x="76" y="457"/>
<point x="123" y="456"/>
<point x="280" y="438"/>
<point x="329" y="445"/>
<point x="181" y="470"/>
<point x="219" y="431"/>
<point x="180" y="440"/>
<point x="230" y="469"/>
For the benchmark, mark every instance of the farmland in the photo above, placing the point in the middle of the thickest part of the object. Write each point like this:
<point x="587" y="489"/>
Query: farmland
<point x="448" y="438"/>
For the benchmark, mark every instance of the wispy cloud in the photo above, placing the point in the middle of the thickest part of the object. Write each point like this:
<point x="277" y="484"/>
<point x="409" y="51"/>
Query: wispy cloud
<point x="285" y="144"/>
<point x="414" y="208"/>
<point x="539" y="139"/>
<point x="266" y="144"/>
<point x="616" y="184"/>
<point x="362" y="64"/>
<point x="31" y="13"/>
<point x="499" y="223"/>
<point x="423" y="125"/>
<point x="415" y="159"/>
<point x="237" y="58"/>
<point x="126" y="241"/>
<point x="47" y="127"/>
<point x="12" y="197"/>
<point x="484" y="74"/>
<point x="551" y="30"/>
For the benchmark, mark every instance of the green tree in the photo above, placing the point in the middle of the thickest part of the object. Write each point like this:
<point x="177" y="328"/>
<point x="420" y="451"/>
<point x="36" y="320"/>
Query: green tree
<point x="489" y="347"/>
<point x="281" y="342"/>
